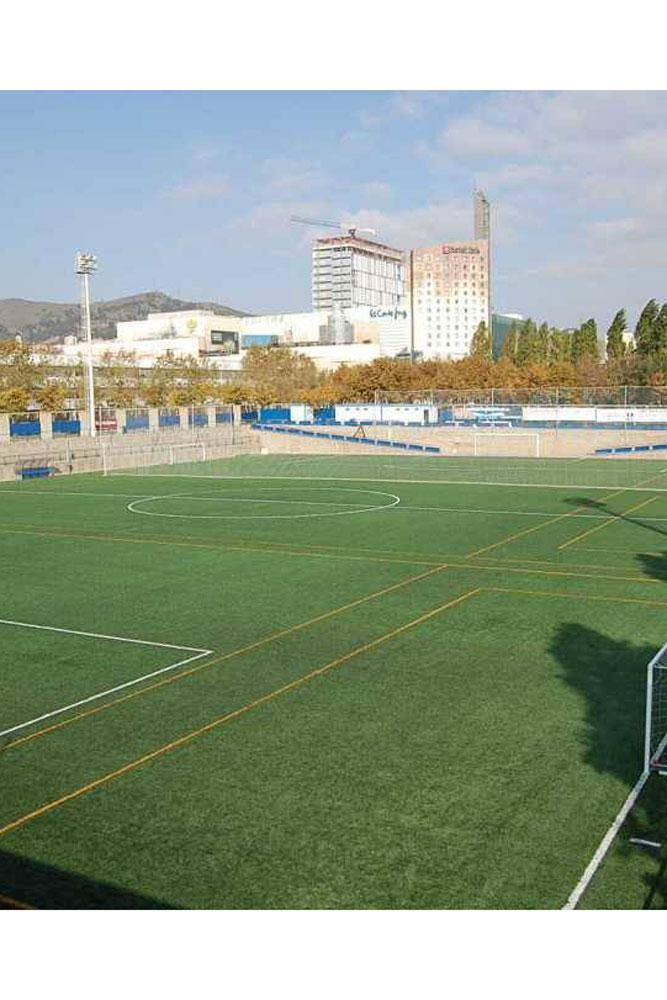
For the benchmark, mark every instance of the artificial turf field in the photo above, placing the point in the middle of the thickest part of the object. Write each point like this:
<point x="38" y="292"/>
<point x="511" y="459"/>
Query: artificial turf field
<point x="353" y="682"/>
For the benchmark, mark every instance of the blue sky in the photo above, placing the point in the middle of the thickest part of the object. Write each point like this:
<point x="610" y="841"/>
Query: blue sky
<point x="191" y="192"/>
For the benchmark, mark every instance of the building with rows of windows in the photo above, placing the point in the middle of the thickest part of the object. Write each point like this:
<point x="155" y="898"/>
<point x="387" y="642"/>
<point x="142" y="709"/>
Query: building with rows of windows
<point x="450" y="296"/>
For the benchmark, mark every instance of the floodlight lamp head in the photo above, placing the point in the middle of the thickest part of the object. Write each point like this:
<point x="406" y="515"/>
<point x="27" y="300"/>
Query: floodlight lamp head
<point x="85" y="263"/>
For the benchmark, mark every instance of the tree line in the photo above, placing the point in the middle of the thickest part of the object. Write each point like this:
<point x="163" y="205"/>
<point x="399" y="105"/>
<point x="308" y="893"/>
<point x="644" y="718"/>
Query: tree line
<point x="531" y="356"/>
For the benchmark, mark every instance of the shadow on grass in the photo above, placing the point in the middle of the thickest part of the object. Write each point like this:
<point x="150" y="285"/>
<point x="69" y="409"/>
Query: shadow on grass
<point x="611" y="677"/>
<point x="601" y="507"/>
<point x="30" y="884"/>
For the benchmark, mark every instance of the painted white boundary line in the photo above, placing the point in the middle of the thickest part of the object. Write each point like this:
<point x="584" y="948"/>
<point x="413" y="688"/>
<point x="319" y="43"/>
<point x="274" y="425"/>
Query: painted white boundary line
<point x="605" y="844"/>
<point x="199" y="653"/>
<point x="416" y="482"/>
<point x="99" y="635"/>
<point x="68" y="493"/>
<point x="332" y="503"/>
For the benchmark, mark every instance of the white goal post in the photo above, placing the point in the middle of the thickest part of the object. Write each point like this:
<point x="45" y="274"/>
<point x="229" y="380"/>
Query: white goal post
<point x="506" y="444"/>
<point x="655" y="753"/>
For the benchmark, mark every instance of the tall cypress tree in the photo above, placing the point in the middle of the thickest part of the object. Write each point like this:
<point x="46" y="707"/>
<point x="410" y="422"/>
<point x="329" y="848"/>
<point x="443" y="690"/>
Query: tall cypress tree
<point x="644" y="328"/>
<point x="542" y="343"/>
<point x="659" y="332"/>
<point x="480" y="346"/>
<point x="585" y="341"/>
<point x="615" y="341"/>
<point x="510" y="344"/>
<point x="526" y="349"/>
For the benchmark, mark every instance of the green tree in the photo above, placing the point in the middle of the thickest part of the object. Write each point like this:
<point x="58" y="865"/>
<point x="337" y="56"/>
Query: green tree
<point x="644" y="328"/>
<point x="659" y="332"/>
<point x="480" y="346"/>
<point x="510" y="344"/>
<point x="560" y="345"/>
<point x="585" y="342"/>
<point x="526" y="348"/>
<point x="542" y="339"/>
<point x="615" y="341"/>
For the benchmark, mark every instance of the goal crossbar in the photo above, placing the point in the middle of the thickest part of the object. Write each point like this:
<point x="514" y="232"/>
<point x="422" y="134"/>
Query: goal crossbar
<point x="505" y="439"/>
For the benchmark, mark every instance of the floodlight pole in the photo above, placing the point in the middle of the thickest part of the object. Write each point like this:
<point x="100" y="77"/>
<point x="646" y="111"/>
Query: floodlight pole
<point x="84" y="265"/>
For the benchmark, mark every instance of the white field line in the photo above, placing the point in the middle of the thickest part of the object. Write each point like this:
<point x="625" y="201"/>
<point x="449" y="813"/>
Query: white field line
<point x="297" y="500"/>
<point x="198" y="654"/>
<point x="606" y="842"/>
<point x="100" y="635"/>
<point x="417" y="482"/>
<point x="333" y="503"/>
<point x="66" y="493"/>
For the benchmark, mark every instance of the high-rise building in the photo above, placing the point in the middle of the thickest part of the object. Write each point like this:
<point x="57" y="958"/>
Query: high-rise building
<point x="450" y="290"/>
<point x="482" y="210"/>
<point x="450" y="297"/>
<point x="349" y="271"/>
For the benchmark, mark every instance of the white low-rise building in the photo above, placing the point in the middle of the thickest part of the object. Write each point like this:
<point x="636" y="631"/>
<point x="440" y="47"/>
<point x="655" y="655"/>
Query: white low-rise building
<point x="350" y="336"/>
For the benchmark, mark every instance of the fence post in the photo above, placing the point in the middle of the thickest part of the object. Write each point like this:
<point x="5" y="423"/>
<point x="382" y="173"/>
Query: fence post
<point x="45" y="425"/>
<point x="4" y="426"/>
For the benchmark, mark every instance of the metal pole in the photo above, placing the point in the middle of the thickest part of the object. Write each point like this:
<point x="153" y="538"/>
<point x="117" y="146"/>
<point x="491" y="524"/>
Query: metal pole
<point x="412" y="306"/>
<point x="89" y="341"/>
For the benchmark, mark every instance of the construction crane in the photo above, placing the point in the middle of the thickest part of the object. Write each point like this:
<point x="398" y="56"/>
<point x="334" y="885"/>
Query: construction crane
<point x="332" y="225"/>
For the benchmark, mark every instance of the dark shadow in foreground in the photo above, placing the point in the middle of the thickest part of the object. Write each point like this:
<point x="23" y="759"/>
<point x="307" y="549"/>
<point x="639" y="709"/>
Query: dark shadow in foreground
<point x="28" y="884"/>
<point x="611" y="676"/>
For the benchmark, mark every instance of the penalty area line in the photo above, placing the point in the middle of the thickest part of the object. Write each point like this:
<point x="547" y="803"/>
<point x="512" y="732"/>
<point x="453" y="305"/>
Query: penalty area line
<point x="198" y="654"/>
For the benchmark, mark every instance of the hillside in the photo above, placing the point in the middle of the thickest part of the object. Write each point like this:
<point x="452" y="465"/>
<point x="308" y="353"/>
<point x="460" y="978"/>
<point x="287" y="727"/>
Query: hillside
<point x="51" y="321"/>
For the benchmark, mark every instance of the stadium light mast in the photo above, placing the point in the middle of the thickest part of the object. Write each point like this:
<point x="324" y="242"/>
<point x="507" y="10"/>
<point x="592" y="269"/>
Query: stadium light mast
<point x="85" y="264"/>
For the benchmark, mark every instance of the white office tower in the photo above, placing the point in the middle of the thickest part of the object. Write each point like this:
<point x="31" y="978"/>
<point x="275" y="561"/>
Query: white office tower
<point x="349" y="271"/>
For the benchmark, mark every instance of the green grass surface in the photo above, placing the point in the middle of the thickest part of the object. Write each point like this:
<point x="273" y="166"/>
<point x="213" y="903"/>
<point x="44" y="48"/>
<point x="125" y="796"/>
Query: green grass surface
<point x="420" y="693"/>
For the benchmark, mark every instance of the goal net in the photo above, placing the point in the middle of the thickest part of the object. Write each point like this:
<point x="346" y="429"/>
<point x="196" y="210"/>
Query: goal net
<point x="656" y="713"/>
<point x="174" y="459"/>
<point x="506" y="444"/>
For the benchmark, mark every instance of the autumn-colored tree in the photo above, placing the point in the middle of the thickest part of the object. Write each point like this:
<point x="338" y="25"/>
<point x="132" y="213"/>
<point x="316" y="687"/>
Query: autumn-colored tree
<point x="279" y="371"/>
<point x="118" y="379"/>
<point x="52" y="397"/>
<point x="22" y="373"/>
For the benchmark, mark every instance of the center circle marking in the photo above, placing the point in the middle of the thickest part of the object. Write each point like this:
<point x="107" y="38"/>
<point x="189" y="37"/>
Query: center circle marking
<point x="135" y="506"/>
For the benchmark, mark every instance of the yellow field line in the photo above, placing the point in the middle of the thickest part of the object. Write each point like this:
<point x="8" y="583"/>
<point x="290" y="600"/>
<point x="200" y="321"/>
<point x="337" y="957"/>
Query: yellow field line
<point x="605" y="524"/>
<point x="560" y="517"/>
<point x="574" y="596"/>
<point x="476" y="568"/>
<point x="219" y="659"/>
<point x="14" y="903"/>
<point x="261" y="549"/>
<point x="188" y="737"/>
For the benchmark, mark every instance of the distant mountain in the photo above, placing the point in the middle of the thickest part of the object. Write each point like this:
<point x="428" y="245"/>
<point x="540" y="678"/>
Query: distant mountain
<point x="51" y="321"/>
